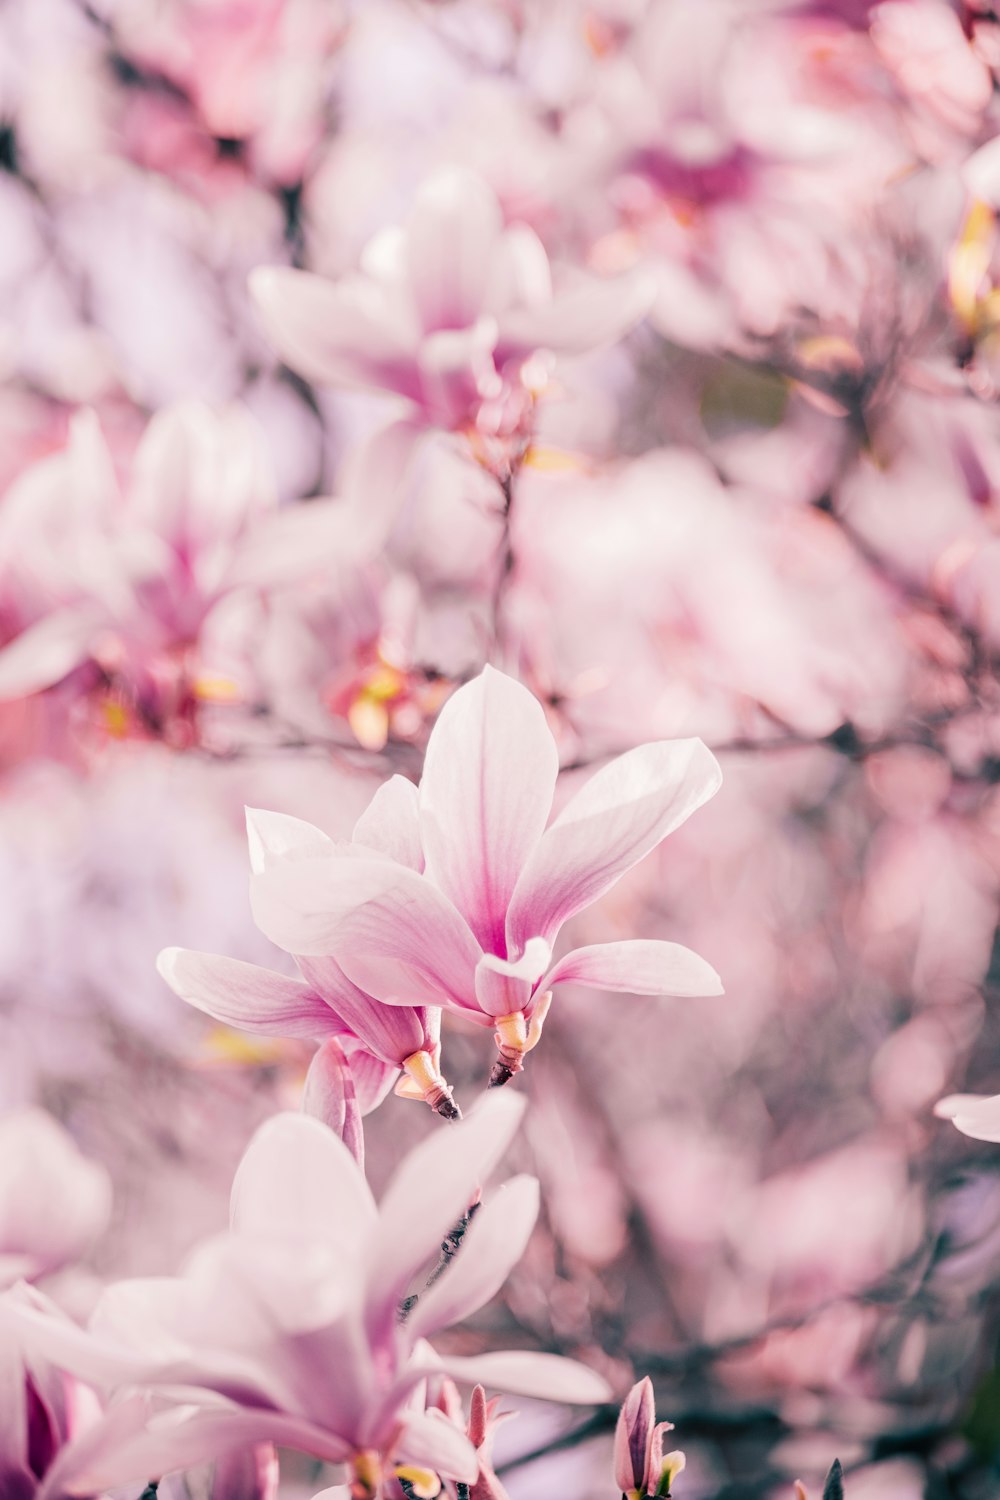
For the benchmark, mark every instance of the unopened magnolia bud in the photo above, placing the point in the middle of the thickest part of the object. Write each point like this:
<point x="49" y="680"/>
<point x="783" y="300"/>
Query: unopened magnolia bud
<point x="633" y="1439"/>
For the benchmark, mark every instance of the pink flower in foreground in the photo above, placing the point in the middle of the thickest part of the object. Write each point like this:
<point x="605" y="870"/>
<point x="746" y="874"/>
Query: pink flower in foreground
<point x="446" y="313"/>
<point x="54" y="1436"/>
<point x="36" y="1412"/>
<point x="463" y="911"/>
<point x="290" y="1327"/>
<point x="641" y="1467"/>
<point x="379" y="1040"/>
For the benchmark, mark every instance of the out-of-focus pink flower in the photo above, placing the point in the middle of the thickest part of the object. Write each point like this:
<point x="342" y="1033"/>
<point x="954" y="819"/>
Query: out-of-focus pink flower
<point x="465" y="909"/>
<point x="53" y="1201"/>
<point x="256" y="70"/>
<point x="36" y="1412"/>
<point x="932" y="60"/>
<point x="448" y="313"/>
<point x="289" y="1328"/>
<point x="128" y="581"/>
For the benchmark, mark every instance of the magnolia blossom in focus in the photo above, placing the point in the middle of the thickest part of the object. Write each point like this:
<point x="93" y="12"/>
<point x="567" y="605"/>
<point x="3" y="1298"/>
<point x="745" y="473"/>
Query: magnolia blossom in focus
<point x="463" y="906"/>
<point x="450" y="313"/>
<point x="379" y="1040"/>
<point x="290" y="1328"/>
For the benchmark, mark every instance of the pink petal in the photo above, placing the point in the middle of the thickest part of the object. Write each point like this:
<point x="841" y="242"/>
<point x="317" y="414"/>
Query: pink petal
<point x="47" y="652"/>
<point x="455" y="366"/>
<point x="246" y="1474"/>
<point x="329" y="1096"/>
<point x="503" y="987"/>
<point x="390" y="824"/>
<point x="298" y="1181"/>
<point x="638" y="966"/>
<point x="54" y="1202"/>
<point x="492" y="1247"/>
<point x="428" y="1438"/>
<point x="633" y="1436"/>
<point x="612" y="822"/>
<point x="13" y="1405"/>
<point x="245" y="996"/>
<point x="372" y="1078"/>
<point x="430" y="1192"/>
<point x="291" y="545"/>
<point x="393" y="934"/>
<point x="164" y="475"/>
<point x="485" y="796"/>
<point x="450" y="240"/>
<point x="520" y="275"/>
<point x="391" y="1032"/>
<point x="46" y="1333"/>
<point x="374" y="477"/>
<point x="175" y="1439"/>
<point x="276" y="838"/>
<point x="522" y="1373"/>
<point x="585" y="317"/>
<point x="336" y="333"/>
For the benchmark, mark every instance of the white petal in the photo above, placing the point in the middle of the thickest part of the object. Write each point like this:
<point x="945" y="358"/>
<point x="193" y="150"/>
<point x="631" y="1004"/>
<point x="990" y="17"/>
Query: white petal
<point x="485" y="796"/>
<point x="430" y="1192"/>
<point x="245" y="996"/>
<point x="522" y="1373"/>
<point x="275" y="838"/>
<point x="637" y="966"/>
<point x="612" y="822"/>
<point x="299" y="1181"/>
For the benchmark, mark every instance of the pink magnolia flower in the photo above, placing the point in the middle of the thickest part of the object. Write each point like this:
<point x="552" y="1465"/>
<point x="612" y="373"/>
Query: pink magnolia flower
<point x="53" y="1201"/>
<point x="289" y="1328"/>
<point x="379" y="1040"/>
<point x="36" y="1412"/>
<point x="641" y="1466"/>
<point x="254" y="69"/>
<point x="447" y="313"/>
<point x="127" y="581"/>
<point x="465" y="909"/>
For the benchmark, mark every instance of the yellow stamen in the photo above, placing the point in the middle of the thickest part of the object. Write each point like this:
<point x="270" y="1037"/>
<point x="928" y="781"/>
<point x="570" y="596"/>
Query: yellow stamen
<point x="424" y="1483"/>
<point x="367" y="1474"/>
<point x="969" y="262"/>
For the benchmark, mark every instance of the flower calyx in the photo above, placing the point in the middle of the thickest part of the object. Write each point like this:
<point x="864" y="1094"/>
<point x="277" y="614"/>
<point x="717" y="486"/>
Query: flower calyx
<point x="516" y="1034"/>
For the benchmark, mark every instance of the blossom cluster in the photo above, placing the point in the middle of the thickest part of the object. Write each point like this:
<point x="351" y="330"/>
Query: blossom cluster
<point x="441" y="441"/>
